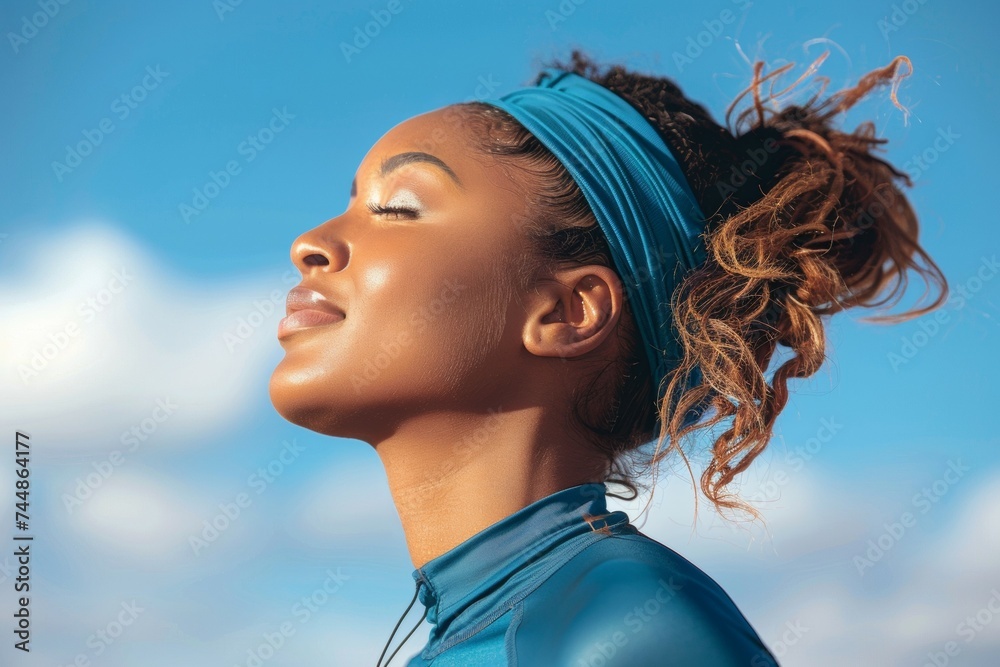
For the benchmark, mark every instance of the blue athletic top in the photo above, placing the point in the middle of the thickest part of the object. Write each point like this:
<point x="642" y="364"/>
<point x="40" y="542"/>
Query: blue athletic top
<point x="564" y="583"/>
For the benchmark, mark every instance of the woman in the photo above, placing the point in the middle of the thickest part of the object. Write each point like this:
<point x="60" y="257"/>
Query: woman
<point x="527" y="297"/>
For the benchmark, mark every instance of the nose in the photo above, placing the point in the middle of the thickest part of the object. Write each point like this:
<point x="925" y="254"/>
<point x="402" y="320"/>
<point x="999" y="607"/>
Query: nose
<point x="320" y="247"/>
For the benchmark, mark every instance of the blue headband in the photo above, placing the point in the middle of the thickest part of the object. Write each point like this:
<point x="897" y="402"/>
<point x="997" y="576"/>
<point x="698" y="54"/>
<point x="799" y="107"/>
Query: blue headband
<point x="636" y="190"/>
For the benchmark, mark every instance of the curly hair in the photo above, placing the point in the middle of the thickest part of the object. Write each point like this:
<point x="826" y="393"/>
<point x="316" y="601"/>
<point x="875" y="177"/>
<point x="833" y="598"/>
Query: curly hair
<point x="802" y="220"/>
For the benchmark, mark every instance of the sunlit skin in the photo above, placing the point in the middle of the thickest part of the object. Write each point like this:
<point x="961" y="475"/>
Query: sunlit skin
<point x="468" y="409"/>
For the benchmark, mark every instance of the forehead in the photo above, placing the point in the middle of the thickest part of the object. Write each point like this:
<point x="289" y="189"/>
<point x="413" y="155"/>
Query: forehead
<point x="442" y="131"/>
<point x="448" y="135"/>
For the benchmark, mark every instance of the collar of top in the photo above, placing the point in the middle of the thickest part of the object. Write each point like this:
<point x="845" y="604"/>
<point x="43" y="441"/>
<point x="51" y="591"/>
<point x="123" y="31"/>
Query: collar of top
<point x="476" y="581"/>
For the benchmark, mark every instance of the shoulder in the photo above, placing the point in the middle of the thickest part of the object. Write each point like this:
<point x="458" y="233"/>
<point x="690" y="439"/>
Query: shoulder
<point x="629" y="600"/>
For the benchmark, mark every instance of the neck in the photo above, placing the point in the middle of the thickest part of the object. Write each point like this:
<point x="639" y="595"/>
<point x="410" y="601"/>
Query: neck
<point x="453" y="475"/>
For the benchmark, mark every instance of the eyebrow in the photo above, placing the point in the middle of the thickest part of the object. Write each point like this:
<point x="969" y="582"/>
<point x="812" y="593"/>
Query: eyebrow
<point x="393" y="163"/>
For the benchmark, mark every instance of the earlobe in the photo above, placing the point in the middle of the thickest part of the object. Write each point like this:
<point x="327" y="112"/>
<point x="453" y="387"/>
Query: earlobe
<point x="572" y="313"/>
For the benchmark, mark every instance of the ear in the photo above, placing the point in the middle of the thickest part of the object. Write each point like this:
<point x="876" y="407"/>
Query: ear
<point x="572" y="312"/>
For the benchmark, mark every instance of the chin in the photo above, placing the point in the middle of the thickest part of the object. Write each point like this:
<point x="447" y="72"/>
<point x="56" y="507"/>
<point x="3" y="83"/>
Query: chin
<point x="294" y="400"/>
<point x="306" y="402"/>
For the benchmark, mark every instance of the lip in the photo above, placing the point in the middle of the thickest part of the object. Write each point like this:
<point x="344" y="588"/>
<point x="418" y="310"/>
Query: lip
<point x="306" y="308"/>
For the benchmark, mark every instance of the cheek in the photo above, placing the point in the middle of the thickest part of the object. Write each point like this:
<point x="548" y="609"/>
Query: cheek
<point x="430" y="322"/>
<point x="374" y="278"/>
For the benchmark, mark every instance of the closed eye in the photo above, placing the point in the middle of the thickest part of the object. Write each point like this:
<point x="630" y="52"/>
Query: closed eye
<point x="392" y="210"/>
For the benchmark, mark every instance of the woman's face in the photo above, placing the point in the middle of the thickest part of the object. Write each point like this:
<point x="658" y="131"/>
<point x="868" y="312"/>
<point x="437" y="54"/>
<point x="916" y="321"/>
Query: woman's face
<point x="425" y="292"/>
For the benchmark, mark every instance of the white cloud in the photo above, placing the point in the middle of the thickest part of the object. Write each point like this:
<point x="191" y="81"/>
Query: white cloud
<point x="97" y="335"/>
<point x="792" y="509"/>
<point x="971" y="544"/>
<point x="137" y="517"/>
<point x="349" y="504"/>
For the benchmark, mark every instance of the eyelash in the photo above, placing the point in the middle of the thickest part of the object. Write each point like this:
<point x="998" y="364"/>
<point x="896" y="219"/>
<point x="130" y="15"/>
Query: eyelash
<point x="398" y="210"/>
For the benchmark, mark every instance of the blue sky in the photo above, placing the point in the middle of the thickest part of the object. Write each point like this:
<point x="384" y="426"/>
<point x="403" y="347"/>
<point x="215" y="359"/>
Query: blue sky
<point x="266" y="97"/>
